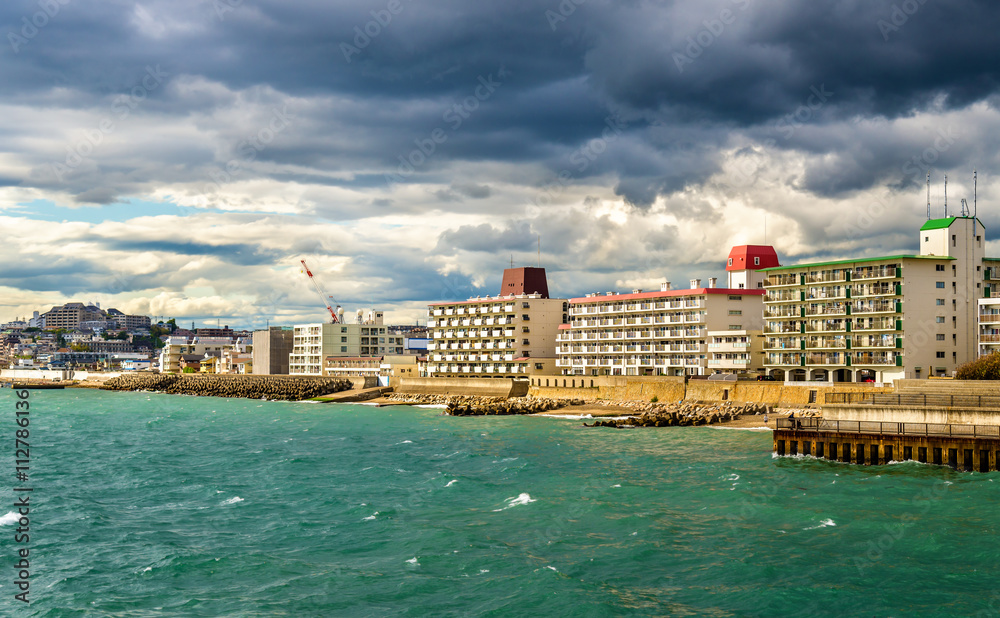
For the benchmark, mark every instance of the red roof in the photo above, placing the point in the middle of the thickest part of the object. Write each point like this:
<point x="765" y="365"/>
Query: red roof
<point x="647" y="295"/>
<point x="742" y="257"/>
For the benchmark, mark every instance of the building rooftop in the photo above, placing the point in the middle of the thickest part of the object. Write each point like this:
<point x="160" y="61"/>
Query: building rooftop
<point x="937" y="224"/>
<point x="741" y="257"/>
<point x="662" y="293"/>
<point x="859" y="261"/>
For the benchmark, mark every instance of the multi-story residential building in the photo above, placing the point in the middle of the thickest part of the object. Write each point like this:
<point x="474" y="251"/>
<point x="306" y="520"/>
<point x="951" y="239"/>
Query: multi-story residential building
<point x="510" y="335"/>
<point x="70" y="315"/>
<point x="667" y="332"/>
<point x="736" y="351"/>
<point x="313" y="343"/>
<point x="879" y="318"/>
<point x="271" y="349"/>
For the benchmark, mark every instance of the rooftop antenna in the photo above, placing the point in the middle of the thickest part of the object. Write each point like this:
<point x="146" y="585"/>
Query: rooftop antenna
<point x="946" y="196"/>
<point x="512" y="260"/>
<point x="974" y="192"/>
<point x="928" y="196"/>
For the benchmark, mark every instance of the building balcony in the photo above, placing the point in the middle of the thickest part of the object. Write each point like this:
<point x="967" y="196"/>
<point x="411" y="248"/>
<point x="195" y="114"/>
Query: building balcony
<point x="780" y="280"/>
<point x="827" y="309"/>
<point x="876" y="358"/>
<point x="874" y="272"/>
<point x="780" y="328"/>
<point x="882" y="323"/>
<point x="989" y="318"/>
<point x="888" y="341"/>
<point x="821" y="343"/>
<point x="783" y="344"/>
<point x="826" y="276"/>
<point x="783" y="296"/>
<point x="826" y="359"/>
<point x="779" y="313"/>
<point x="873" y="306"/>
<point x="876" y="289"/>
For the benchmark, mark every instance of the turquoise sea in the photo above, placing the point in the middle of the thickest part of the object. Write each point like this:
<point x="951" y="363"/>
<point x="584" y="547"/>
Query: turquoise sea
<point x="161" y="505"/>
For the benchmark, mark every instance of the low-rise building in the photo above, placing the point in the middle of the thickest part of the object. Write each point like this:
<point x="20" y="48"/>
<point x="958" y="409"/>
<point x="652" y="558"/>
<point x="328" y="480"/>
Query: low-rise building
<point x="313" y="343"/>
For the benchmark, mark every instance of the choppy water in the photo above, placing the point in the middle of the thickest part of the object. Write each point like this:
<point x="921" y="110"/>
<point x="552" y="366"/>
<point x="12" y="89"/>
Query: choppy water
<point x="149" y="505"/>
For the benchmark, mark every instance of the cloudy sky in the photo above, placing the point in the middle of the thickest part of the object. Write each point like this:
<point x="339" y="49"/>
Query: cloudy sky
<point x="178" y="158"/>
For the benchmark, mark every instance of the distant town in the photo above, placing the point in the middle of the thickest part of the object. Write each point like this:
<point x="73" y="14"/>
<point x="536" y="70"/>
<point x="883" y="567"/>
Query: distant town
<point x="868" y="319"/>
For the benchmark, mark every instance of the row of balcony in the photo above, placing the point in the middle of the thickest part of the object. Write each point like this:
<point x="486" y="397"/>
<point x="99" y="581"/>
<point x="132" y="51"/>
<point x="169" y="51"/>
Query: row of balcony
<point x="618" y="349"/>
<point x="833" y="292"/>
<point x="478" y="345"/>
<point x="473" y="310"/>
<point x="859" y="273"/>
<point x="858" y="307"/>
<point x="819" y="343"/>
<point x="833" y="326"/>
<point x="471" y="357"/>
<point x="597" y="309"/>
<point x="692" y="333"/>
<point x="474" y="369"/>
<point x="847" y="359"/>
<point x="668" y="319"/>
<point x="637" y="361"/>
<point x="500" y="321"/>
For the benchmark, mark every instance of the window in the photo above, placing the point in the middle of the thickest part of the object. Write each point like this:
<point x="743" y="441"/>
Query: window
<point x="756" y="261"/>
<point x="939" y="267"/>
<point x="525" y="342"/>
<point x="741" y="286"/>
<point x="735" y="312"/>
<point x="939" y="285"/>
<point x="939" y="319"/>
<point x="735" y="297"/>
<point x="927" y="238"/>
<point x="940" y="301"/>
<point x="940" y="354"/>
<point x="730" y="261"/>
<point x="760" y="284"/>
<point x="953" y="240"/>
<point x="525" y="317"/>
<point x="939" y="337"/>
<point x="343" y="340"/>
<point x="735" y="327"/>
<point x="343" y="348"/>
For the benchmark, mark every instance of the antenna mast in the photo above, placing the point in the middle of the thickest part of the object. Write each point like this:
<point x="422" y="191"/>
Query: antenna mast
<point x="946" y="196"/>
<point x="928" y="196"/>
<point x="974" y="192"/>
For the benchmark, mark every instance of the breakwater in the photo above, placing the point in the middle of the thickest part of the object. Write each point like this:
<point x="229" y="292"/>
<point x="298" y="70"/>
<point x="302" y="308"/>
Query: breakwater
<point x="684" y="415"/>
<point x="473" y="405"/>
<point x="274" y="388"/>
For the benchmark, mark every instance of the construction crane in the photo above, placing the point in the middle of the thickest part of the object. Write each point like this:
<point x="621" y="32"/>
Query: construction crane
<point x="324" y="297"/>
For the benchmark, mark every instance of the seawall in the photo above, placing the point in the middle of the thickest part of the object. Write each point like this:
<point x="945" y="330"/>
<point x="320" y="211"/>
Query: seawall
<point x="675" y="388"/>
<point x="483" y="387"/>
<point x="281" y="388"/>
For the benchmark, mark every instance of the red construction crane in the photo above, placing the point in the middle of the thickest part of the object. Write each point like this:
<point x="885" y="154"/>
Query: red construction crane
<point x="324" y="297"/>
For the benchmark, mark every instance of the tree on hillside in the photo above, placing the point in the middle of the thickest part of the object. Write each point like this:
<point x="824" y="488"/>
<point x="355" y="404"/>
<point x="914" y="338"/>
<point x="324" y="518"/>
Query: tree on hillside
<point x="983" y="368"/>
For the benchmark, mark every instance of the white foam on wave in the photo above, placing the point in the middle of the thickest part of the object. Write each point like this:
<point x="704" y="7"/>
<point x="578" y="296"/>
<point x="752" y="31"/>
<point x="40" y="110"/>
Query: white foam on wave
<point x="232" y="500"/>
<point x="370" y="517"/>
<point x="512" y="502"/>
<point x="619" y="485"/>
<point x="553" y="568"/>
<point x="822" y="524"/>
<point x="569" y="417"/>
<point x="9" y="518"/>
<point x="451" y="482"/>
<point x="405" y="442"/>
<point x="431" y="405"/>
<point x="413" y="560"/>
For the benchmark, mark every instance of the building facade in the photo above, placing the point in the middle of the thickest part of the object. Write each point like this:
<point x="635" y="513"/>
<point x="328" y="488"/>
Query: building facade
<point x="667" y="332"/>
<point x="512" y="335"/>
<point x="271" y="349"/>
<point x="736" y="351"/>
<point x="313" y="343"/>
<point x="883" y="318"/>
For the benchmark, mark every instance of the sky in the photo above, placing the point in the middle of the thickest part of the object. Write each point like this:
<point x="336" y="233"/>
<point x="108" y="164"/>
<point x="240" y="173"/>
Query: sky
<point x="179" y="158"/>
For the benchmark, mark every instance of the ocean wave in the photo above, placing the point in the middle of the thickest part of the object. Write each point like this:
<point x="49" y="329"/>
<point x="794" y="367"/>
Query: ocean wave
<point x="232" y="500"/>
<point x="512" y="502"/>
<point x="413" y="561"/>
<point x="370" y="517"/>
<point x="822" y="524"/>
<point x="451" y="482"/>
<point x="9" y="518"/>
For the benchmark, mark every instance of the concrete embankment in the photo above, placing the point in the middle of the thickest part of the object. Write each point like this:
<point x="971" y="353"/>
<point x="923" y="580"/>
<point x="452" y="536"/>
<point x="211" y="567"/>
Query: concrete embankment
<point x="684" y="415"/>
<point x="482" y="387"/>
<point x="279" y="388"/>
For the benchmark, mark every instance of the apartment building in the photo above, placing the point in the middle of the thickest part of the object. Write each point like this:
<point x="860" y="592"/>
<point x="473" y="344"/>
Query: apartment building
<point x="736" y="351"/>
<point x="880" y="318"/>
<point x="668" y="332"/>
<point x="271" y="349"/>
<point x="313" y="343"/>
<point x="178" y="349"/>
<point x="510" y="335"/>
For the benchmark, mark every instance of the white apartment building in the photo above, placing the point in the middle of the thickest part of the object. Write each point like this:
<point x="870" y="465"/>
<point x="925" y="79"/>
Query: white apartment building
<point x="313" y="343"/>
<point x="881" y="318"/>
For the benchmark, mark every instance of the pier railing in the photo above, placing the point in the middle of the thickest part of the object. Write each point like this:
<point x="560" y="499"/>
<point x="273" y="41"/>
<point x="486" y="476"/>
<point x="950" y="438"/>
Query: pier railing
<point x="915" y="400"/>
<point x="881" y="427"/>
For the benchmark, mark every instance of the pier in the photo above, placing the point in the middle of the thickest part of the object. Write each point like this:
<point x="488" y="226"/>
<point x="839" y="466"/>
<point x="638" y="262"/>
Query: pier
<point x="949" y="423"/>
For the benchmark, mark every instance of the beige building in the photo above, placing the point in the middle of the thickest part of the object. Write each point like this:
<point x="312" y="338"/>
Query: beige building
<point x="881" y="318"/>
<point x="736" y="351"/>
<point x="505" y="336"/>
<point x="313" y="343"/>
<point x="271" y="349"/>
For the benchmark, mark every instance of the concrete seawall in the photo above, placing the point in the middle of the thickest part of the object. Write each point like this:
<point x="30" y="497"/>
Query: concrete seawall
<point x="670" y="388"/>
<point x="281" y="388"/>
<point x="483" y="387"/>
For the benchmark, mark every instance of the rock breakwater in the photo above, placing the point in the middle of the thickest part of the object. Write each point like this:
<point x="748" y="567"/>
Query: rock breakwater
<point x="471" y="405"/>
<point x="684" y="415"/>
<point x="275" y="388"/>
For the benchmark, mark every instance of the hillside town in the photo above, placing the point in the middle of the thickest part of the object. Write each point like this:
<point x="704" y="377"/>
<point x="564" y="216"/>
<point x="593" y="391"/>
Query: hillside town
<point x="867" y="319"/>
